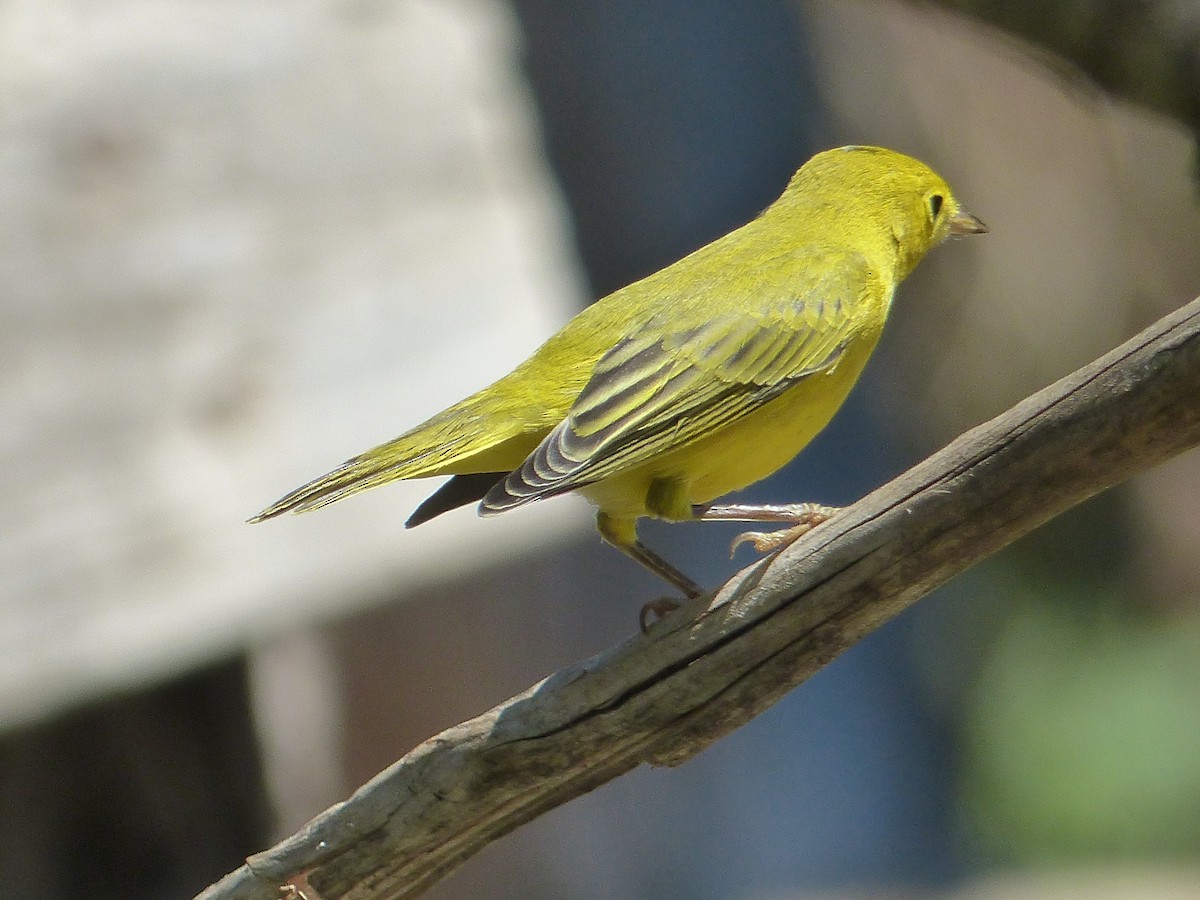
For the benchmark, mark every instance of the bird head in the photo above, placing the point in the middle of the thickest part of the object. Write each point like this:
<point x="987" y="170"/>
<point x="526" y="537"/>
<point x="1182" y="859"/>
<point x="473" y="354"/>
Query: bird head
<point x="892" y="206"/>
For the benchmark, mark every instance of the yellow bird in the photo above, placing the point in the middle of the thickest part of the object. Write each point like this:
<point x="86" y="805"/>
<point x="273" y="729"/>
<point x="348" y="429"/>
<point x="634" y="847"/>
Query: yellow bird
<point x="697" y="380"/>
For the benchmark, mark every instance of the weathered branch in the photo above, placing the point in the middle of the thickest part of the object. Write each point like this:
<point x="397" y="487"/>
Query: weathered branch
<point x="710" y="668"/>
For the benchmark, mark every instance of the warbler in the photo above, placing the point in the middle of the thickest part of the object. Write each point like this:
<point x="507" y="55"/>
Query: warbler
<point x="693" y="382"/>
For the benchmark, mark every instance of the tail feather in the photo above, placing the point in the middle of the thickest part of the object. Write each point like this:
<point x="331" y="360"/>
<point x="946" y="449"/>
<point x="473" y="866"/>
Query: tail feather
<point x="458" y="491"/>
<point x="451" y="443"/>
<point x="352" y="476"/>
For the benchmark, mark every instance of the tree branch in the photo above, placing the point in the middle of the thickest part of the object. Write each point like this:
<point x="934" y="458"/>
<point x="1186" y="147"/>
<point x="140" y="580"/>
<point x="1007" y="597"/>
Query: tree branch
<point x="719" y="662"/>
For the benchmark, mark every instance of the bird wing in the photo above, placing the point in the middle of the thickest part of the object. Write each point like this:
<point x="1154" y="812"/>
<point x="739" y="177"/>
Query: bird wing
<point x="654" y="392"/>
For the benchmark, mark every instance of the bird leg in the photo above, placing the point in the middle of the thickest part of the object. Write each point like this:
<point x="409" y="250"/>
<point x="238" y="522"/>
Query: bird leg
<point x="803" y="517"/>
<point x="663" y="569"/>
<point x="663" y="605"/>
<point x="622" y="534"/>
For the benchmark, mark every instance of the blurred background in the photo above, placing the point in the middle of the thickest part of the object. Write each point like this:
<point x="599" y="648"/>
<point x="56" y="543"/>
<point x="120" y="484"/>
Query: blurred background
<point x="240" y="242"/>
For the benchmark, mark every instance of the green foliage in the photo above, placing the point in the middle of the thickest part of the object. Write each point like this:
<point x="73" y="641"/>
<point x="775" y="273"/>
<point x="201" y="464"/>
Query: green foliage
<point x="1083" y="738"/>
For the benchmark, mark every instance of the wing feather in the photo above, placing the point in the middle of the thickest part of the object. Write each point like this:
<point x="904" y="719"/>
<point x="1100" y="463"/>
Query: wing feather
<point x="660" y="390"/>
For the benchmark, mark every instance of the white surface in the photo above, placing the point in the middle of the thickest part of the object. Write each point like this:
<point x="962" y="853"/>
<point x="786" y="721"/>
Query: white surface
<point x="241" y="242"/>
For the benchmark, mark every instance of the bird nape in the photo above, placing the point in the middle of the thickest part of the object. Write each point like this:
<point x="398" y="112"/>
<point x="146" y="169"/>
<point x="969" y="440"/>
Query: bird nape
<point x="694" y="382"/>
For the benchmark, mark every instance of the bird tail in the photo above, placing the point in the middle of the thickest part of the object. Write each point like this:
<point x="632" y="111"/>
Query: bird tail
<point x="446" y="444"/>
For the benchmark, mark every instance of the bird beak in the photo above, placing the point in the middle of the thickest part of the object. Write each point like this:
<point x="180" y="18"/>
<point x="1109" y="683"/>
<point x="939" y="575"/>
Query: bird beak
<point x="962" y="222"/>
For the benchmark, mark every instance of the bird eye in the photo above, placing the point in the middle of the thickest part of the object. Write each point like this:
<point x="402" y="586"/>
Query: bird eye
<point x="935" y="204"/>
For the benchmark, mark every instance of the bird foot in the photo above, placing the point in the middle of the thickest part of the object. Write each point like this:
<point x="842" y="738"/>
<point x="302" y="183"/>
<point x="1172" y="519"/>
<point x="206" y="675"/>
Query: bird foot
<point x="659" y="609"/>
<point x="769" y="541"/>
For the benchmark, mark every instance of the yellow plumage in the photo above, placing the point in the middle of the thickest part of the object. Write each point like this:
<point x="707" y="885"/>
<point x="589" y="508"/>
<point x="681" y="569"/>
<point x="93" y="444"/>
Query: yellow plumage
<point x="695" y="381"/>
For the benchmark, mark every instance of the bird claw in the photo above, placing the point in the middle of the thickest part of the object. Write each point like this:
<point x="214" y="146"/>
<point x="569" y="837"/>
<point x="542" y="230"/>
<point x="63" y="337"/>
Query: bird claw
<point x="759" y="540"/>
<point x="659" y="608"/>
<point x="769" y="541"/>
